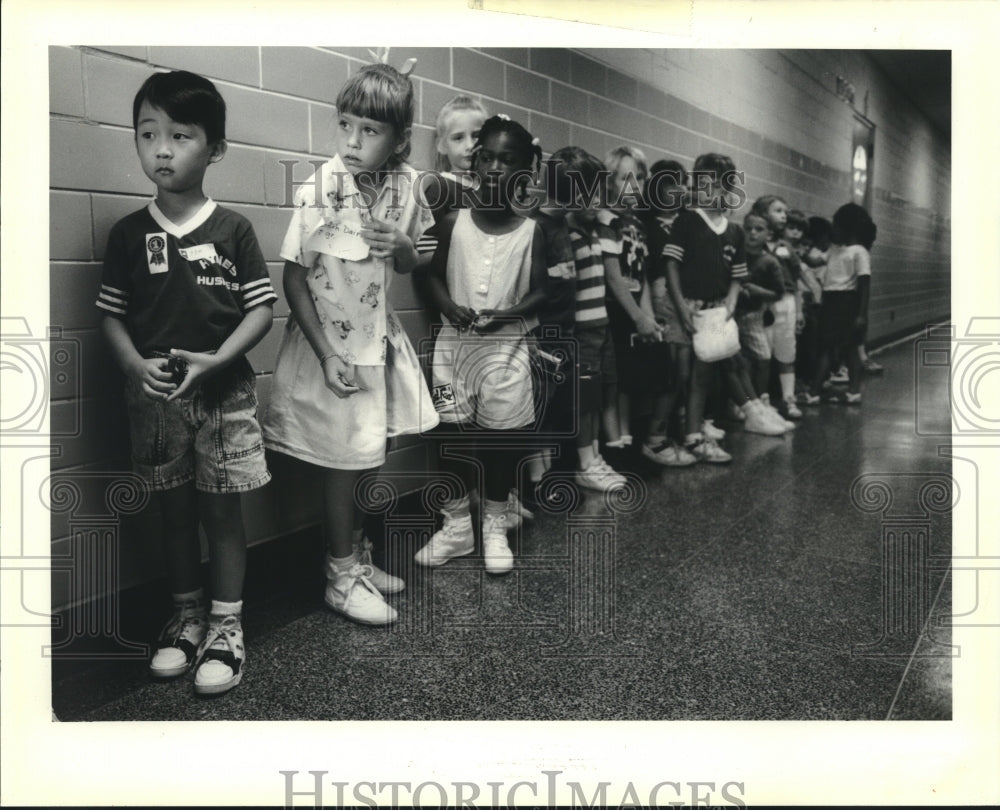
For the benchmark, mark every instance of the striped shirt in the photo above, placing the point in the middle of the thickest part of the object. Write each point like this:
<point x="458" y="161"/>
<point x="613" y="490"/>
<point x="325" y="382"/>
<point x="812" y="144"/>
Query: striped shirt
<point x="183" y="286"/>
<point x="711" y="255"/>
<point x="590" y="247"/>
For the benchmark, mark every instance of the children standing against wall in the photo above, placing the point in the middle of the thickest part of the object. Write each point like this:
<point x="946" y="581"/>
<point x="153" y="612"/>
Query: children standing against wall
<point x="185" y="295"/>
<point x="346" y="376"/>
<point x="596" y="249"/>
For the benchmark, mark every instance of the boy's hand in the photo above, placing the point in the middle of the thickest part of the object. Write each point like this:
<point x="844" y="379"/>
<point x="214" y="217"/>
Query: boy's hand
<point x="800" y="322"/>
<point x="386" y="240"/>
<point x="153" y="378"/>
<point x="199" y="366"/>
<point x="687" y="317"/>
<point x="339" y="377"/>
<point x="860" y="323"/>
<point x="646" y="326"/>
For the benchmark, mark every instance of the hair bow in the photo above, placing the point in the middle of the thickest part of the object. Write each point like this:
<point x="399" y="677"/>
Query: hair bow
<point x="382" y="55"/>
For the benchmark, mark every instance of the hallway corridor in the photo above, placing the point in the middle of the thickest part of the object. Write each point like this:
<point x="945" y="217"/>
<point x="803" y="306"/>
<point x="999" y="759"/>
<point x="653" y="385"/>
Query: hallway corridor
<point x="752" y="591"/>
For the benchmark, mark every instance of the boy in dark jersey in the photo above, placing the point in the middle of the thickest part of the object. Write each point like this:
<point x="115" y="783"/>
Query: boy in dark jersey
<point x="185" y="295"/>
<point x="706" y="265"/>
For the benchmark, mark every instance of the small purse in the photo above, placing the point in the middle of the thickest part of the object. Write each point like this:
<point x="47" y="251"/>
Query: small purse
<point x="716" y="337"/>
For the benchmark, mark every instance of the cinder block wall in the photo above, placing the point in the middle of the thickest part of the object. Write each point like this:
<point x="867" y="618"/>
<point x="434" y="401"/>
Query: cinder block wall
<point x="775" y="112"/>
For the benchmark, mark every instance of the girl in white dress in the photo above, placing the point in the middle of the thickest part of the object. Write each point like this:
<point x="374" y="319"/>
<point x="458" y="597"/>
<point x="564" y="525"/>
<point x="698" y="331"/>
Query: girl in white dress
<point x="347" y="377"/>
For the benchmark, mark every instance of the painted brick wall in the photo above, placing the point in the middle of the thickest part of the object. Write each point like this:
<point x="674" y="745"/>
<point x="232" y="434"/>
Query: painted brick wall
<point x="775" y="112"/>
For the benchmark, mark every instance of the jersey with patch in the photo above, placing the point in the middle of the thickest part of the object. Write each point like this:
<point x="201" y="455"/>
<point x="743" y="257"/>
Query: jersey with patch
<point x="183" y="286"/>
<point x="710" y="257"/>
<point x="634" y="256"/>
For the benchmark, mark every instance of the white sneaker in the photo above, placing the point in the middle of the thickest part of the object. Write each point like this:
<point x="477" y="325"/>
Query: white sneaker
<point x="758" y="420"/>
<point x="517" y="513"/>
<point x="710" y="431"/>
<point x="179" y="641"/>
<point x="704" y="449"/>
<point x="792" y="408"/>
<point x="385" y="583"/>
<point x="600" y="476"/>
<point x="669" y="455"/>
<point x="497" y="556"/>
<point x="775" y="416"/>
<point x="840" y="375"/>
<point x="455" y="539"/>
<point x="351" y="592"/>
<point x="219" y="666"/>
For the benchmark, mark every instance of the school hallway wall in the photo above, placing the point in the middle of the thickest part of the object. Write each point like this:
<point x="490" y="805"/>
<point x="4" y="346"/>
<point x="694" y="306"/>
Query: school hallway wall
<point x="777" y="113"/>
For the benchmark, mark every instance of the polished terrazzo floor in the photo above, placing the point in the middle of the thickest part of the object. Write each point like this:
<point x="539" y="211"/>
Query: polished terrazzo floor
<point x="758" y="590"/>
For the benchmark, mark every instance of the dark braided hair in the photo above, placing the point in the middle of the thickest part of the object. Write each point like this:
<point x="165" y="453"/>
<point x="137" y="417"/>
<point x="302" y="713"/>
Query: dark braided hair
<point x="526" y="143"/>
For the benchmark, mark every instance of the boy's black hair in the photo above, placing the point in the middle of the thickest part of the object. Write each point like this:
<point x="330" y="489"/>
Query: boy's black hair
<point x="797" y="219"/>
<point x="752" y="214"/>
<point x="526" y="142"/>
<point x="661" y="190"/>
<point x="852" y="225"/>
<point x="669" y="170"/>
<point x="572" y="160"/>
<point x="721" y="166"/>
<point x="187" y="98"/>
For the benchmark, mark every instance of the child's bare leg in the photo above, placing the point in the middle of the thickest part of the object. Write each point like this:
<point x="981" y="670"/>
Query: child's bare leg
<point x="585" y="439"/>
<point x="701" y="375"/>
<point x="854" y="365"/>
<point x="181" y="543"/>
<point x="761" y="375"/>
<point x="738" y="380"/>
<point x="342" y="514"/>
<point x="227" y="543"/>
<point x="609" y="413"/>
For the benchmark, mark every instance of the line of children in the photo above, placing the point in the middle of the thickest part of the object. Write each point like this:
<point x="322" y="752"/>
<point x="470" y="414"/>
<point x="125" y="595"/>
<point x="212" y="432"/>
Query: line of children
<point x="185" y="295"/>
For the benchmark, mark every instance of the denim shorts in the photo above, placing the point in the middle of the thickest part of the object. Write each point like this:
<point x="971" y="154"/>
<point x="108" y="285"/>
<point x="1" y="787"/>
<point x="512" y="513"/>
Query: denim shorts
<point x="211" y="437"/>
<point x="596" y="354"/>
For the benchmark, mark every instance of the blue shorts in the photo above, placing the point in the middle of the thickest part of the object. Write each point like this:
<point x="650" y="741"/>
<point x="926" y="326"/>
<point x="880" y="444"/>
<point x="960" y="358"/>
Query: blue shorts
<point x="211" y="437"/>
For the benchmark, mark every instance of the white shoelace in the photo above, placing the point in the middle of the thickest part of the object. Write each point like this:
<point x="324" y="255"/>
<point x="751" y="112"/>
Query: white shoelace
<point x="220" y="638"/>
<point x="361" y="574"/>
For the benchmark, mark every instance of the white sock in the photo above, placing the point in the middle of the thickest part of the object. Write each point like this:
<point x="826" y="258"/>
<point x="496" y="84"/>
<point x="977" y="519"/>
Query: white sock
<point x="587" y="456"/>
<point x="344" y="563"/>
<point x="787" y="379"/>
<point x="494" y="508"/>
<point x="226" y="608"/>
<point x="656" y="439"/>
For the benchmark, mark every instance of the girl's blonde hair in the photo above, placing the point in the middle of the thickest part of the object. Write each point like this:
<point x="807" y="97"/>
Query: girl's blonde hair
<point x="382" y="93"/>
<point x="619" y="153"/>
<point x="456" y="105"/>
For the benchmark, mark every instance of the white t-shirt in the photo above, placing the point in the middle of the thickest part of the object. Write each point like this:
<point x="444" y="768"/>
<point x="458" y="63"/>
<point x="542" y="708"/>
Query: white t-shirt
<point x="844" y="265"/>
